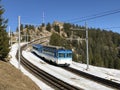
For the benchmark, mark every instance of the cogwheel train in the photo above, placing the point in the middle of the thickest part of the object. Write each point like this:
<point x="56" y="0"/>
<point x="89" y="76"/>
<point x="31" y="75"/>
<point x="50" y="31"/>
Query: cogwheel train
<point x="57" y="55"/>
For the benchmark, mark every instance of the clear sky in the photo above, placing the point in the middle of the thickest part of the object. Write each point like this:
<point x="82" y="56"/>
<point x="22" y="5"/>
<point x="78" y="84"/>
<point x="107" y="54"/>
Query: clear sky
<point x="61" y="10"/>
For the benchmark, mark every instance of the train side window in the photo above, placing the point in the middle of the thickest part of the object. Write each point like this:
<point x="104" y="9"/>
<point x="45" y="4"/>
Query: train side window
<point x="56" y="54"/>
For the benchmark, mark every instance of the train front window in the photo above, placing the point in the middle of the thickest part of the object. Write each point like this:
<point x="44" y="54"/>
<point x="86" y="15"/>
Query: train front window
<point x="61" y="55"/>
<point x="69" y="54"/>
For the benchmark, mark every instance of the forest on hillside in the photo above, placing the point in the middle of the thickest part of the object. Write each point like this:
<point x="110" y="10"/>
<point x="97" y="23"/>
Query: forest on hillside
<point x="104" y="46"/>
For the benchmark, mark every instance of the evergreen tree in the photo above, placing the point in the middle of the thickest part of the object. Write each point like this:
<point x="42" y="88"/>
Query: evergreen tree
<point x="43" y="24"/>
<point x="56" y="40"/>
<point x="48" y="27"/>
<point x="4" y="40"/>
<point x="21" y="29"/>
<point x="56" y="28"/>
<point x="67" y="27"/>
<point x="26" y="26"/>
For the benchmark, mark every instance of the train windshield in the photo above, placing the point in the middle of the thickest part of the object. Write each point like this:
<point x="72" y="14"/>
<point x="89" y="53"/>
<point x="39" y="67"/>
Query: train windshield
<point x="61" y="55"/>
<point x="65" y="55"/>
<point x="69" y="55"/>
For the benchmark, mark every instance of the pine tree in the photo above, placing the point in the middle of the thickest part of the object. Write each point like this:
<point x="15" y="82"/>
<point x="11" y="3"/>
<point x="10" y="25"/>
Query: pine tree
<point x="48" y="27"/>
<point x="4" y="40"/>
<point x="57" y="28"/>
<point x="43" y="24"/>
<point x="67" y="27"/>
<point x="55" y="40"/>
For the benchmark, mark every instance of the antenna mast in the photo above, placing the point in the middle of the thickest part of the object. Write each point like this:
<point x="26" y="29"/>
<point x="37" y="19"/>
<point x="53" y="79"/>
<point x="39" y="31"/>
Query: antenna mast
<point x="43" y="21"/>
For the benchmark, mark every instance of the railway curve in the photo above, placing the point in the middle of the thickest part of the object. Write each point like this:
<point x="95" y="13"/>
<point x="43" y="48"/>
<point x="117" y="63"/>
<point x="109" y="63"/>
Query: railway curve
<point x="52" y="81"/>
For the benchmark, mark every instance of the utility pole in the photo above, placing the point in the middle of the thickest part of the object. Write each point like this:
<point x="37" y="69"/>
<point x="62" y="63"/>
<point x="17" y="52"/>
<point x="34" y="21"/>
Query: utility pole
<point x="87" y="54"/>
<point x="86" y="39"/>
<point x="10" y="36"/>
<point x="27" y="39"/>
<point x="19" y="41"/>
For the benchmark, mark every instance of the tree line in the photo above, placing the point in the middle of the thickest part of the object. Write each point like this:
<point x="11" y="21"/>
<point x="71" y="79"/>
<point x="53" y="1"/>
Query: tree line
<point x="104" y="46"/>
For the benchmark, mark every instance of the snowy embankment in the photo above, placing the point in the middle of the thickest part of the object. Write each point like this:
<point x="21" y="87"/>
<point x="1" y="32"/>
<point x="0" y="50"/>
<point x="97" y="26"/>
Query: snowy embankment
<point x="65" y="75"/>
<point x="110" y="74"/>
<point x="14" y="62"/>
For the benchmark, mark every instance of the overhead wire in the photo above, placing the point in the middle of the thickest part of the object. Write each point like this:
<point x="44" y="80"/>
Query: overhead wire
<point x="94" y="16"/>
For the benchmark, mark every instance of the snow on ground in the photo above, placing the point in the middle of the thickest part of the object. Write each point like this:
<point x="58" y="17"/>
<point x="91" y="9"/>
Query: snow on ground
<point x="63" y="74"/>
<point x="110" y="74"/>
<point x="14" y="62"/>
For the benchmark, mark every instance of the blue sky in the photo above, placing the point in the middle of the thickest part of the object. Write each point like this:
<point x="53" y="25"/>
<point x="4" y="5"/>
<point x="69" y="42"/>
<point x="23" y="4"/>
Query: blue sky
<point x="61" y="10"/>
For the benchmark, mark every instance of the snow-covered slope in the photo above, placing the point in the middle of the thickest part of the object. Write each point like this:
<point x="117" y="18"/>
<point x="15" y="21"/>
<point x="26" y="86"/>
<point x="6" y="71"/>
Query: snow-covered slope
<point x="110" y="74"/>
<point x="14" y="62"/>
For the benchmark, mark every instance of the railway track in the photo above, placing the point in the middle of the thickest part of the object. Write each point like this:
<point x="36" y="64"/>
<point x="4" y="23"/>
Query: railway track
<point x="103" y="81"/>
<point x="52" y="81"/>
<point x="45" y="77"/>
<point x="97" y="79"/>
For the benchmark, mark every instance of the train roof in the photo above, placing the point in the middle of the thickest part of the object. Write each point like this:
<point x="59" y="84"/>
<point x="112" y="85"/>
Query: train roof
<point x="47" y="46"/>
<point x="37" y="45"/>
<point x="54" y="47"/>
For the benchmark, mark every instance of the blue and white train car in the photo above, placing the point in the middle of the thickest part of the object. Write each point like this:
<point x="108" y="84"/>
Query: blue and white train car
<point x="58" y="55"/>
